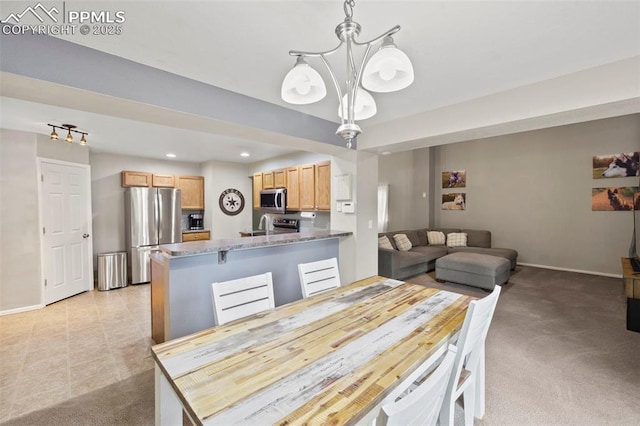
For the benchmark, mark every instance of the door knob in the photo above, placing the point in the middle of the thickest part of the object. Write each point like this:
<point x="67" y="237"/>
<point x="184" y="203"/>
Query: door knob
<point x="85" y="235"/>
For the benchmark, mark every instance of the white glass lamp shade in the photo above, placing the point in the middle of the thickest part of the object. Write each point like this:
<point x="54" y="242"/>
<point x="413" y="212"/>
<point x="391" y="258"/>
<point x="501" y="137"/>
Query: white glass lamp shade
<point x="364" y="108"/>
<point x="303" y="85"/>
<point x="388" y="70"/>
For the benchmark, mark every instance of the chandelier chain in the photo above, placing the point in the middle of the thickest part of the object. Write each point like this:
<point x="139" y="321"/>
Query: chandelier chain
<point x="348" y="8"/>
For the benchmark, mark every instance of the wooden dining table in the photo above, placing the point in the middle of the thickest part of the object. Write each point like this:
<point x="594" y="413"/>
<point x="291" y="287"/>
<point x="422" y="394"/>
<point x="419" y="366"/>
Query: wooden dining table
<point x="328" y="359"/>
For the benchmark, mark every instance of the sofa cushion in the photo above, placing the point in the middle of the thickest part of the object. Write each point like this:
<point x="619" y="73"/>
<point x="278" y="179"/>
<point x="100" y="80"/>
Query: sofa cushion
<point x="410" y="258"/>
<point x="430" y="252"/>
<point x="412" y="235"/>
<point x="509" y="254"/>
<point x="436" y="238"/>
<point x="478" y="238"/>
<point x="383" y="242"/>
<point x="389" y="236"/>
<point x="457" y="239"/>
<point x="422" y="236"/>
<point x="446" y="231"/>
<point x="402" y="242"/>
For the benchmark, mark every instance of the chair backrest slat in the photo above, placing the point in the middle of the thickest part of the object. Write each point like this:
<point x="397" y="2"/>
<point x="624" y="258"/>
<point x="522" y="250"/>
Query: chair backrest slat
<point x="318" y="277"/>
<point x="242" y="297"/>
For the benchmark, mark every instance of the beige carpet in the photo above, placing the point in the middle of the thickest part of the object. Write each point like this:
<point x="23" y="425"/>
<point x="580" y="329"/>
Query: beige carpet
<point x="558" y="353"/>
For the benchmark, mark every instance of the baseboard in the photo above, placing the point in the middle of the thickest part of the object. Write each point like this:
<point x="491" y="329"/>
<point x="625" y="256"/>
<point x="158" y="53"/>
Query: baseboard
<point x="580" y="271"/>
<point x="23" y="309"/>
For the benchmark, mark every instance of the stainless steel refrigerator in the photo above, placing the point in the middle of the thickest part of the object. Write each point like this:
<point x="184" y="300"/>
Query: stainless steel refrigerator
<point x="152" y="217"/>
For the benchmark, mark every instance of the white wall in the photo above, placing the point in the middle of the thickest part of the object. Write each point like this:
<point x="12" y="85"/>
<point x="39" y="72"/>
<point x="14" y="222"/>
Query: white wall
<point x="219" y="176"/>
<point x="107" y="194"/>
<point x="533" y="191"/>
<point x="20" y="277"/>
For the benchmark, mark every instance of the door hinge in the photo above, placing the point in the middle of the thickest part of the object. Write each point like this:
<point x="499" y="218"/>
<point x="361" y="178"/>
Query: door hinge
<point x="45" y="283"/>
<point x="41" y="178"/>
<point x="43" y="232"/>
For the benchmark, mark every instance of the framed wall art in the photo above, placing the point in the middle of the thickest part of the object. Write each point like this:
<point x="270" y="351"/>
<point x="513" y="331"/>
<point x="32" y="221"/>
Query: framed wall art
<point x="624" y="164"/>
<point x="454" y="201"/>
<point x="454" y="179"/>
<point x="616" y="198"/>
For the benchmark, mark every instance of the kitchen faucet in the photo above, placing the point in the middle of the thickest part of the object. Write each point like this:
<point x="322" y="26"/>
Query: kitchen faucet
<point x="266" y="218"/>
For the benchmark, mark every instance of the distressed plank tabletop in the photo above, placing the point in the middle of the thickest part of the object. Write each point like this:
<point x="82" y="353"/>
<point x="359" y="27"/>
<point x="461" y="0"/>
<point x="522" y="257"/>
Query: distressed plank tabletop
<point x="327" y="359"/>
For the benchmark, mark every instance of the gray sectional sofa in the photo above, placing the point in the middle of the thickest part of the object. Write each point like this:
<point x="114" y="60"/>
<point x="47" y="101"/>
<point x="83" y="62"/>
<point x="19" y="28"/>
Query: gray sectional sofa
<point x="422" y="257"/>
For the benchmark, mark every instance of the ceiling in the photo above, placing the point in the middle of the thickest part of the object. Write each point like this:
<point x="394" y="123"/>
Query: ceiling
<point x="461" y="50"/>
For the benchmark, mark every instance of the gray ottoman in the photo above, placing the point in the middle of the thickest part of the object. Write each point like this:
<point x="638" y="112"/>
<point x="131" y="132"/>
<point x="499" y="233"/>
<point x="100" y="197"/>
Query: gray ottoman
<point x="478" y="270"/>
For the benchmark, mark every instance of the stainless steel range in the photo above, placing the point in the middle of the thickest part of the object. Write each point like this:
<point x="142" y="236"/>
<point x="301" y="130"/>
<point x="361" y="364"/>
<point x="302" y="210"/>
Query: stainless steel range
<point x="283" y="226"/>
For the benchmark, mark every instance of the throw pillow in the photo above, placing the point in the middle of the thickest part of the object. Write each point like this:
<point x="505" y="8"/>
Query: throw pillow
<point x="402" y="241"/>
<point x="435" y="237"/>
<point x="457" y="239"/>
<point x="383" y="242"/>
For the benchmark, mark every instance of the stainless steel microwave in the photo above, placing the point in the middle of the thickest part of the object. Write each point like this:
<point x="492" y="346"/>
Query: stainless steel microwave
<point x="273" y="200"/>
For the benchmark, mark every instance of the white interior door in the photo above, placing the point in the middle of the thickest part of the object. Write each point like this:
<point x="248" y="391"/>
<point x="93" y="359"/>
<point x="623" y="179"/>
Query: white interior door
<point x="66" y="235"/>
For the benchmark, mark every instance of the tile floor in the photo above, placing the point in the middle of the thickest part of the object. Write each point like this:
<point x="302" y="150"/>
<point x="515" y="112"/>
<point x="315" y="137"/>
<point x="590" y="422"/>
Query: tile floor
<point x="72" y="347"/>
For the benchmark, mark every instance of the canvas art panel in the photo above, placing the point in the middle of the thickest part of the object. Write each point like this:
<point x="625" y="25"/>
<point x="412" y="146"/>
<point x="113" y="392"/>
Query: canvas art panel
<point x="454" y="179"/>
<point x="616" y="198"/>
<point x="454" y="201"/>
<point x="624" y="164"/>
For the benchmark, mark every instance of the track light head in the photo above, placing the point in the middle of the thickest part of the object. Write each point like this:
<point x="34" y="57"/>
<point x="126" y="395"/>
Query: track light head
<point x="70" y="128"/>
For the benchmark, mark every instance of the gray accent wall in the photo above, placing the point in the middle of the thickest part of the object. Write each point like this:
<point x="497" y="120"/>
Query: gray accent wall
<point x="407" y="174"/>
<point x="533" y="191"/>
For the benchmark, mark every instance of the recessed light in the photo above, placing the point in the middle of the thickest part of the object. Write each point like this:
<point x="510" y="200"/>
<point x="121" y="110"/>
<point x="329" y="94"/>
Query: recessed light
<point x="244" y="154"/>
<point x="171" y="155"/>
<point x="385" y="153"/>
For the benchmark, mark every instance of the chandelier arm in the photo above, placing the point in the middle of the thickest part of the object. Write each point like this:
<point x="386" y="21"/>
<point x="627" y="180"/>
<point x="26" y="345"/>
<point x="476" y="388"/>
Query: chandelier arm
<point x="391" y="32"/>
<point x="334" y="79"/>
<point x="315" y="54"/>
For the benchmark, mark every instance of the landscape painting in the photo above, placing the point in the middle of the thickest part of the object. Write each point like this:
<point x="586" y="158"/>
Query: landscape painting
<point x="454" y="179"/>
<point x="624" y="164"/>
<point x="619" y="198"/>
<point x="454" y="201"/>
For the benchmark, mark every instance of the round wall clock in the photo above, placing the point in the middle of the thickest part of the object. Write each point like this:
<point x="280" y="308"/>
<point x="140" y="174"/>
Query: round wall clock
<point x="231" y="201"/>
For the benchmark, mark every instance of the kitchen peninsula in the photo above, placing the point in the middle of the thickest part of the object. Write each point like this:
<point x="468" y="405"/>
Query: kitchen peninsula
<point x="181" y="274"/>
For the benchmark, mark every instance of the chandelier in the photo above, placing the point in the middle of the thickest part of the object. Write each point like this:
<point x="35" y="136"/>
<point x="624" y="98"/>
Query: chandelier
<point x="69" y="128"/>
<point x="388" y="70"/>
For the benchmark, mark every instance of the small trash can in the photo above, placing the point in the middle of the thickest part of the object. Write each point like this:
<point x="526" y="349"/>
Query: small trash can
<point x="112" y="270"/>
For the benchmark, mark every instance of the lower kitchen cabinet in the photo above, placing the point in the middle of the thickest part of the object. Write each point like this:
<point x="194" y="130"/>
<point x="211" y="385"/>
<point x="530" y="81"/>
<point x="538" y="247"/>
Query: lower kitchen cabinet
<point x="196" y="236"/>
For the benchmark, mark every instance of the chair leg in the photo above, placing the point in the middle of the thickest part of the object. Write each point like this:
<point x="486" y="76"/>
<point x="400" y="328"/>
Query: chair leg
<point x="447" y="411"/>
<point x="469" y="397"/>
<point x="479" y="387"/>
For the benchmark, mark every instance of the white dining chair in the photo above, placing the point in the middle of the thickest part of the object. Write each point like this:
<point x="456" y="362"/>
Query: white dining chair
<point x="320" y="276"/>
<point x="242" y="297"/>
<point x="421" y="404"/>
<point x="467" y="378"/>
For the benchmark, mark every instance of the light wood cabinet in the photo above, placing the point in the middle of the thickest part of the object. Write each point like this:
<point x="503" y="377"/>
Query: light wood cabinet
<point x="280" y="178"/>
<point x="323" y="186"/>
<point x="163" y="181"/>
<point x="196" y="236"/>
<point x="307" y="187"/>
<point x="267" y="180"/>
<point x="192" y="188"/>
<point x="293" y="188"/>
<point x="136" y="179"/>
<point x="257" y="187"/>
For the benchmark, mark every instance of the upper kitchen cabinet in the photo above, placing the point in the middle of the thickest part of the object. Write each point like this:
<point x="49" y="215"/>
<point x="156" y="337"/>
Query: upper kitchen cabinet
<point x="136" y="179"/>
<point x="192" y="188"/>
<point x="293" y="188"/>
<point x="163" y="181"/>
<point x="257" y="187"/>
<point x="307" y="179"/>
<point x="280" y="178"/>
<point x="267" y="180"/>
<point x="323" y="186"/>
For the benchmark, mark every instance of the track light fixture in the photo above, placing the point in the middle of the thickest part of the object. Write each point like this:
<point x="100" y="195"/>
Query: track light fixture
<point x="69" y="128"/>
<point x="387" y="70"/>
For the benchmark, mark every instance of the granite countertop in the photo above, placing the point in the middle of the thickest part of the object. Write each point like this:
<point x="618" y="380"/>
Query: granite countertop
<point x="211" y="246"/>
<point x="190" y="231"/>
